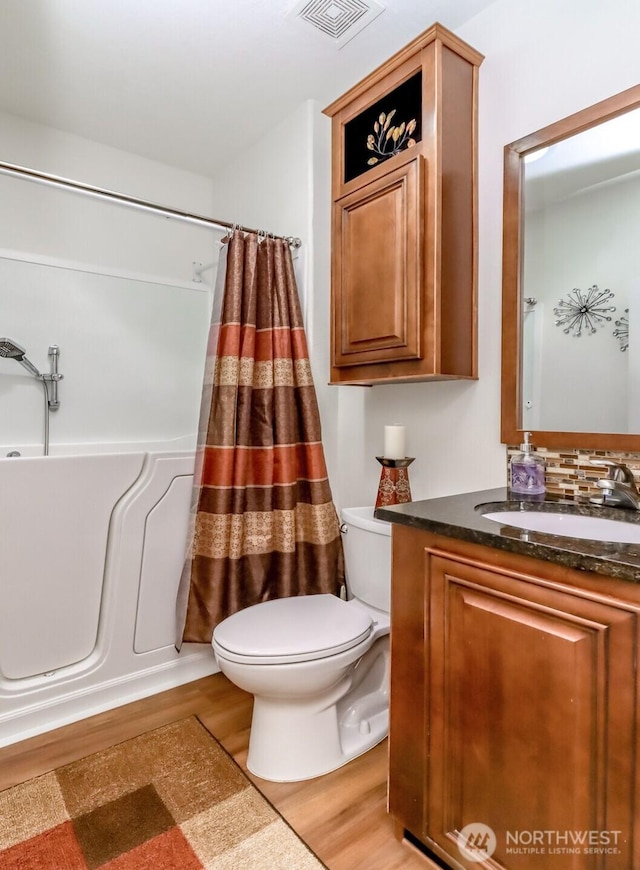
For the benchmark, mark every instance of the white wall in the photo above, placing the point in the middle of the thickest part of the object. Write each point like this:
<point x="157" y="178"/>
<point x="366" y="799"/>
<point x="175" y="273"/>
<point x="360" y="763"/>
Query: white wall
<point x="72" y="226"/>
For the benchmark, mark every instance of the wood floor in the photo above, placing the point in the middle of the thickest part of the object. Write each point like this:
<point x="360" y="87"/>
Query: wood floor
<point x="342" y="815"/>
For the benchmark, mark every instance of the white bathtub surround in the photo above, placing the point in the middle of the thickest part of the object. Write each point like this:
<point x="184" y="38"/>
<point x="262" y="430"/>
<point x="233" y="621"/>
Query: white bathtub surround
<point x="92" y="548"/>
<point x="93" y="536"/>
<point x="128" y="376"/>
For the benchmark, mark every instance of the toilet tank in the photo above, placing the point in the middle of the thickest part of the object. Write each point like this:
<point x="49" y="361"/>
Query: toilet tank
<point x="367" y="555"/>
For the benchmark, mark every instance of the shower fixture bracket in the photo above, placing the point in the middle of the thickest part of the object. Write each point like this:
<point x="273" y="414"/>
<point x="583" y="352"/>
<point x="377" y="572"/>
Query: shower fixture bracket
<point x="53" y="377"/>
<point x="9" y="349"/>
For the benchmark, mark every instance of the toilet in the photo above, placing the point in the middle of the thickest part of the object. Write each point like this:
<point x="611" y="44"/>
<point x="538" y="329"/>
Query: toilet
<point x="317" y="665"/>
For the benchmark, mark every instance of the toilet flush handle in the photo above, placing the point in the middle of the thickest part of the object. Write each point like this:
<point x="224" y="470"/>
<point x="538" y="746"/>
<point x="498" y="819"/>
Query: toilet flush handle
<point x="344" y="528"/>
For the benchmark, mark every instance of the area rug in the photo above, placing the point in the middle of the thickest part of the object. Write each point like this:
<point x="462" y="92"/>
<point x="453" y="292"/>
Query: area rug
<point x="171" y="799"/>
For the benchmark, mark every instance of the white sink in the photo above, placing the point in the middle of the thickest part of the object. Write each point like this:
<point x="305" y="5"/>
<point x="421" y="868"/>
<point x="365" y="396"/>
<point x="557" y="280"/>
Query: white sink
<point x="569" y="525"/>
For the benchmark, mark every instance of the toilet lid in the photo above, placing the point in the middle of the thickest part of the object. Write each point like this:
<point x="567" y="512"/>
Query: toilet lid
<point x="301" y="628"/>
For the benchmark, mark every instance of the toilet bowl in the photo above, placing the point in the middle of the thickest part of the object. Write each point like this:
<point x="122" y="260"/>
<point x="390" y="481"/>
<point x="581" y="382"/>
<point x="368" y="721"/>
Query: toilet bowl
<point x="318" y="666"/>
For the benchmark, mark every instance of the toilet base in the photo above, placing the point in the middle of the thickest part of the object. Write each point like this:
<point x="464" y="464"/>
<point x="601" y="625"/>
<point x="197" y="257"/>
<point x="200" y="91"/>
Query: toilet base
<point x="296" y="740"/>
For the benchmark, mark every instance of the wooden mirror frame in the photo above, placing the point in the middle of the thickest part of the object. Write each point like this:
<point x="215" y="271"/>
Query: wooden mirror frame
<point x="511" y="423"/>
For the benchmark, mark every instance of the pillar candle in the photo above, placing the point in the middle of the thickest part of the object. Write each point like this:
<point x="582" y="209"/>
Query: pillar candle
<point x="394" y="447"/>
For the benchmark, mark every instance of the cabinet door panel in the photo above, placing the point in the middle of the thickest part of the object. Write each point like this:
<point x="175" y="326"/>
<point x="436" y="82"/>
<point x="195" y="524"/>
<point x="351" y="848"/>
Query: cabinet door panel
<point x="378" y="263"/>
<point x="532" y="716"/>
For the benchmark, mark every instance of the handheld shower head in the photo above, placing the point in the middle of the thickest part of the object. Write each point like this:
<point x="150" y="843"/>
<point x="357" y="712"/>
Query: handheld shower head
<point x="10" y="350"/>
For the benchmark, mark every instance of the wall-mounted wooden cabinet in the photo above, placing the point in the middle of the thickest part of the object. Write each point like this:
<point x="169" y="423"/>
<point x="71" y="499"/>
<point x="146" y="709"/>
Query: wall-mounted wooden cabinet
<point x="404" y="259"/>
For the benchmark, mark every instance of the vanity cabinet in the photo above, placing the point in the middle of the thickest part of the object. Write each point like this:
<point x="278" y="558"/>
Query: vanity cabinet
<point x="404" y="260"/>
<point x="514" y="704"/>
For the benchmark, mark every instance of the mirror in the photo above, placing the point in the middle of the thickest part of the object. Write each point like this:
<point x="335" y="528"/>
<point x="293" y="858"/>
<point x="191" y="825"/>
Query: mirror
<point x="571" y="281"/>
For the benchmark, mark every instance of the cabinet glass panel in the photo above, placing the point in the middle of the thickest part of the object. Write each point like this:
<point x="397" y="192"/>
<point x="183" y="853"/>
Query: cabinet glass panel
<point x="389" y="126"/>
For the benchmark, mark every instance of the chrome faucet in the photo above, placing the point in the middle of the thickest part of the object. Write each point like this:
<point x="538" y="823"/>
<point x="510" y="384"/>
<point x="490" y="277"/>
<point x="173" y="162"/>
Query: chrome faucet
<point x="618" y="488"/>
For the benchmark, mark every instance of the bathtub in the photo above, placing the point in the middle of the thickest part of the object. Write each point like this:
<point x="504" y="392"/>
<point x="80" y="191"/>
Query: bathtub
<point x="92" y="542"/>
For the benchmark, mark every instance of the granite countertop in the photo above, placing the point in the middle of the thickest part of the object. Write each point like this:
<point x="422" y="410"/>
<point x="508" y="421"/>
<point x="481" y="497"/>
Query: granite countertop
<point x="460" y="516"/>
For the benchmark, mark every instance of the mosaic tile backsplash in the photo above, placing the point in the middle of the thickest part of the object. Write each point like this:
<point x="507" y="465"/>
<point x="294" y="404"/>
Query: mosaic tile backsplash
<point x="569" y="473"/>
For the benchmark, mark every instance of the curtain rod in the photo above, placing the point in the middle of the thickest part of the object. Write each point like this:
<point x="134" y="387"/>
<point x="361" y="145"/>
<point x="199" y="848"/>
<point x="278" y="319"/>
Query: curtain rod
<point x="124" y="199"/>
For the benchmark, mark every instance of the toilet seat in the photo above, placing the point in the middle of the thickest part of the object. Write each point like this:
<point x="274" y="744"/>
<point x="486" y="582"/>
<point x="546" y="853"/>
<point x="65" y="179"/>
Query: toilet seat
<point x="288" y="630"/>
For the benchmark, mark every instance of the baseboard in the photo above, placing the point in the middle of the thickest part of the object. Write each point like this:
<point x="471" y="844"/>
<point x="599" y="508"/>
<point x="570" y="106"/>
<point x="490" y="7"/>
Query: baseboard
<point x="101" y="696"/>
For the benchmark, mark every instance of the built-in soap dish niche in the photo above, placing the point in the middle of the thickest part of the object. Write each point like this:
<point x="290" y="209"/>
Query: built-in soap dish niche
<point x="337" y="21"/>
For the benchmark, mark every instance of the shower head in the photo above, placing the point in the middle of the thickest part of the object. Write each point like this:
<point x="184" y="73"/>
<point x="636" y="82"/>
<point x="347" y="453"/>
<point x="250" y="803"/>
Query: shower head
<point x="10" y="350"/>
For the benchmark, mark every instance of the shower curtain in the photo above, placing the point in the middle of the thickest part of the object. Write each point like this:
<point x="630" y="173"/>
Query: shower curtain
<point x="264" y="524"/>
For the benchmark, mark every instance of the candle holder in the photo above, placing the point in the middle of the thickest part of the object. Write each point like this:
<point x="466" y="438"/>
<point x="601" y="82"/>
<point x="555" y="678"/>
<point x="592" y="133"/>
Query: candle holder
<point x="394" y="481"/>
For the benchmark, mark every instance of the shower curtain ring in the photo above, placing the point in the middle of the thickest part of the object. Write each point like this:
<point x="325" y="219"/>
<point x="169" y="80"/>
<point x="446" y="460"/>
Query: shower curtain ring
<point x="232" y="229"/>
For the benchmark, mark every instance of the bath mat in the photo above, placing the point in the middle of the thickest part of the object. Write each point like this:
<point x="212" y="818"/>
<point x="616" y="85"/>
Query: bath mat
<point x="171" y="799"/>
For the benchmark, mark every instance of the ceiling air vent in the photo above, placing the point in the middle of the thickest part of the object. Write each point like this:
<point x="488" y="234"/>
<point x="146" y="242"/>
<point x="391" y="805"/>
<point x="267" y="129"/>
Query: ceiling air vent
<point x="339" y="20"/>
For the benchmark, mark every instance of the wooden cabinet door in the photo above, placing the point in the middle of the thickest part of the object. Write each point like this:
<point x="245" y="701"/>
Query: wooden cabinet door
<point x="377" y="281"/>
<point x="531" y="718"/>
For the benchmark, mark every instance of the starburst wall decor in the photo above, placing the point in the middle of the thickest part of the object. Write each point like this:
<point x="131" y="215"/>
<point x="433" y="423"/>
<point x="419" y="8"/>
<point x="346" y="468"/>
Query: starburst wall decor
<point x="584" y="311"/>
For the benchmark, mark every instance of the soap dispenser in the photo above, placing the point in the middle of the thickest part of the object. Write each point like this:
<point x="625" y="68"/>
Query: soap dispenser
<point x="527" y="470"/>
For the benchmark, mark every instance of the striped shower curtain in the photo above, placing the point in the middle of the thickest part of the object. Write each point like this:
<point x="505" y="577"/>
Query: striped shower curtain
<point x="264" y="524"/>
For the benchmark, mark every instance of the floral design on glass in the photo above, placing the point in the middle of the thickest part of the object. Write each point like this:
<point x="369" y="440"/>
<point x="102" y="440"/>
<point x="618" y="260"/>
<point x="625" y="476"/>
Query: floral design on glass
<point x="387" y="140"/>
